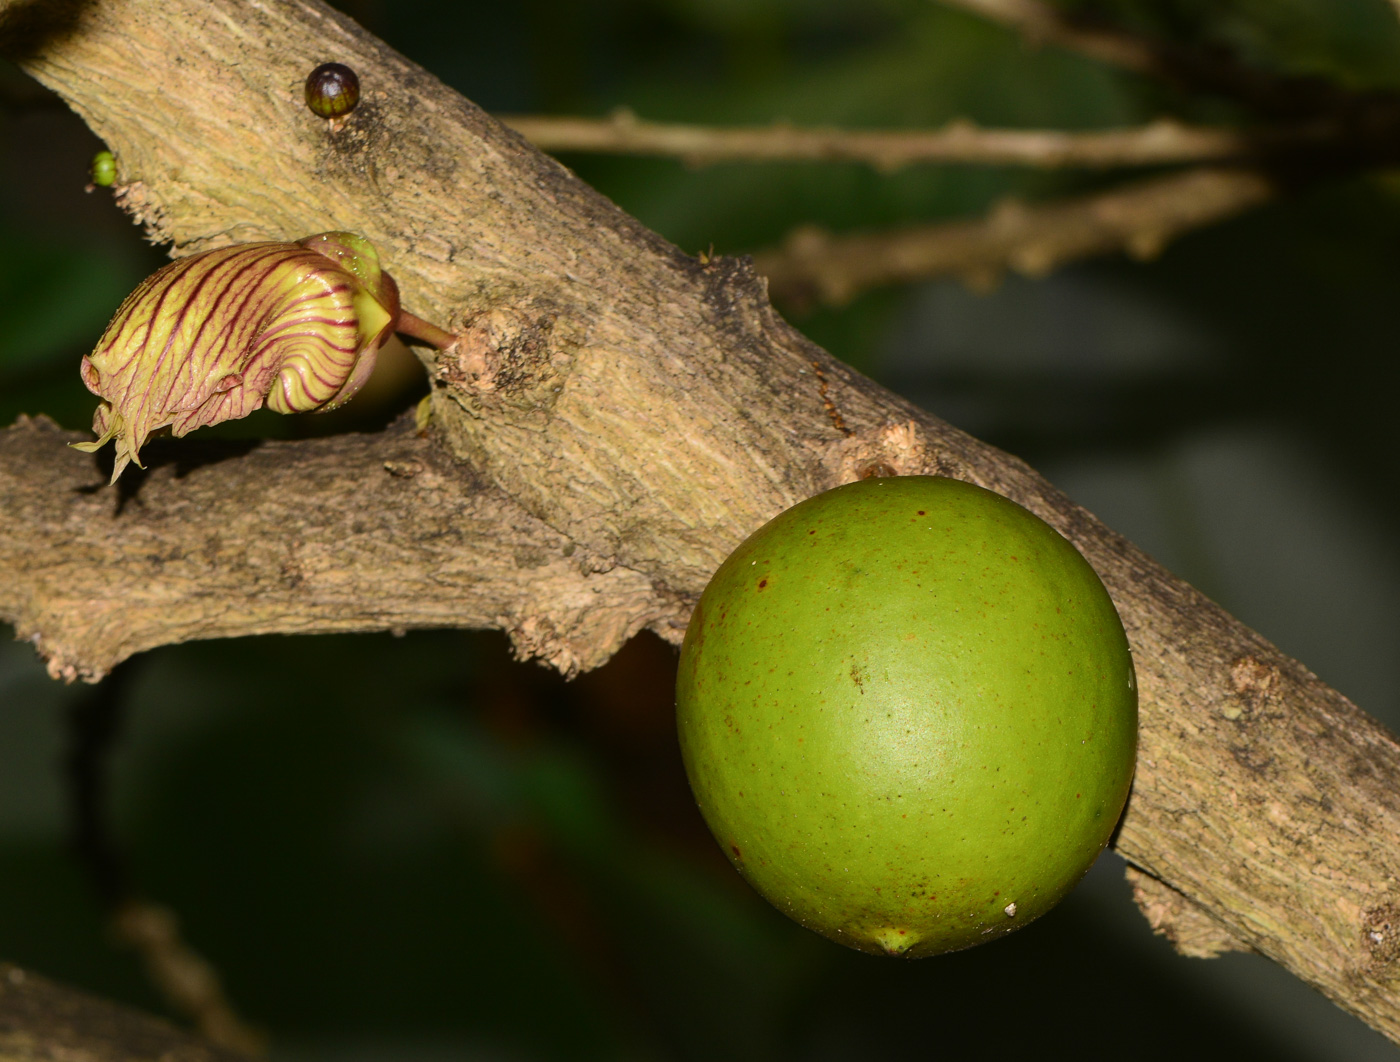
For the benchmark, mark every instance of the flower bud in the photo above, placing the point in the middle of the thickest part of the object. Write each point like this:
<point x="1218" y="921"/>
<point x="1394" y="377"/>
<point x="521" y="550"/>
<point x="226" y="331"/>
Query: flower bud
<point x="214" y="336"/>
<point x="103" y="170"/>
<point x="332" y="90"/>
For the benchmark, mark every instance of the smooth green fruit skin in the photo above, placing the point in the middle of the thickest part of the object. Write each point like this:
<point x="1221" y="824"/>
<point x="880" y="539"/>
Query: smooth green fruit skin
<point x="905" y="705"/>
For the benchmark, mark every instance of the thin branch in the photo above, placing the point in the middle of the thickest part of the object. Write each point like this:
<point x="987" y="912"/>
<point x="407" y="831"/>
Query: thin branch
<point x="1159" y="143"/>
<point x="93" y="726"/>
<point x="1042" y="24"/>
<point x="1140" y="219"/>
<point x="185" y="979"/>
<point x="188" y="982"/>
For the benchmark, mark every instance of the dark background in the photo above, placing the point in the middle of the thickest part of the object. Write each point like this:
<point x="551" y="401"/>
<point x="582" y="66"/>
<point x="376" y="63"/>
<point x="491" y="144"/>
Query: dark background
<point x="416" y="849"/>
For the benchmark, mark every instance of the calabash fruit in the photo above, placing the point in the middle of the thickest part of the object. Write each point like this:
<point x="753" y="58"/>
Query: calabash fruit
<point x="908" y="713"/>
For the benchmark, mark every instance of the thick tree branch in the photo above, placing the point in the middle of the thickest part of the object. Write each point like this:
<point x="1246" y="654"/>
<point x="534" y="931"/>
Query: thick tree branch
<point x="616" y="399"/>
<point x="1160" y="143"/>
<point x="1139" y="218"/>
<point x="345" y="534"/>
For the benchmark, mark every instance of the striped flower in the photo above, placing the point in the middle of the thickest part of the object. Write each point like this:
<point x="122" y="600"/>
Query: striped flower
<point x="214" y="336"/>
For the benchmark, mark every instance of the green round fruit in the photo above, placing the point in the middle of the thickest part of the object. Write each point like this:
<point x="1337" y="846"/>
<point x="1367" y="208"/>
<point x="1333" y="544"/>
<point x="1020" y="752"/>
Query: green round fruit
<point x="908" y="713"/>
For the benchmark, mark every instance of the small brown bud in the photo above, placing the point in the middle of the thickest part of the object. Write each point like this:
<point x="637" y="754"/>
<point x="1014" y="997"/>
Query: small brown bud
<point x="332" y="90"/>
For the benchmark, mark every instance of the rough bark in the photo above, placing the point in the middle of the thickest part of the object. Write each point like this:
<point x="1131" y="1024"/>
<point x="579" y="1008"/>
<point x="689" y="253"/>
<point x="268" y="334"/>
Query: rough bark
<point x="44" y="1022"/>
<point x="351" y="533"/>
<point x="617" y="417"/>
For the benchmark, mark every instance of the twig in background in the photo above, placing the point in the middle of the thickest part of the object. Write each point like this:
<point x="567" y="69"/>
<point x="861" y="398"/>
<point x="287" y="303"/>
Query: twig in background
<point x="184" y="978"/>
<point x="1139" y="218"/>
<point x="1161" y="142"/>
<point x="187" y="982"/>
<point x="1214" y="71"/>
<point x="94" y="723"/>
<point x="1040" y="24"/>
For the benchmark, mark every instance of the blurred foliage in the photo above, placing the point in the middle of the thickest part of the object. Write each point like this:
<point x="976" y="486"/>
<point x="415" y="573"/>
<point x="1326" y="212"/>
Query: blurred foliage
<point x="419" y="844"/>
<point x="1354" y="42"/>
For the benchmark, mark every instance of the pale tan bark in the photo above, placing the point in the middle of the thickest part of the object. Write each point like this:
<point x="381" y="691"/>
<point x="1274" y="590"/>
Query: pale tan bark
<point x="353" y="533"/>
<point x="1188" y="927"/>
<point x="44" y="1022"/>
<point x="617" y="417"/>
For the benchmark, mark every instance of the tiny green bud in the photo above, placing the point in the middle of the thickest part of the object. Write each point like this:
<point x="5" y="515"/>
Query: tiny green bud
<point x="104" y="169"/>
<point x="332" y="90"/>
